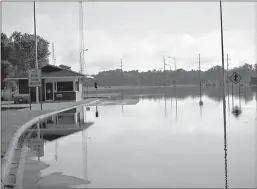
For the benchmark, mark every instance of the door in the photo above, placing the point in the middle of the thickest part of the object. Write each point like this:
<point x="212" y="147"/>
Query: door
<point x="49" y="92"/>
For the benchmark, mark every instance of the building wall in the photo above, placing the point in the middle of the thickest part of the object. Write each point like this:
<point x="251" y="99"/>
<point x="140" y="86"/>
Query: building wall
<point x="253" y="80"/>
<point x="24" y="89"/>
<point x="59" y="96"/>
<point x="78" y="96"/>
<point x="62" y="96"/>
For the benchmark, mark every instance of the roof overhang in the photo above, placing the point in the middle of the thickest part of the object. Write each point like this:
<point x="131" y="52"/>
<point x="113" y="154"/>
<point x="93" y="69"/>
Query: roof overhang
<point x="23" y="78"/>
<point x="90" y="77"/>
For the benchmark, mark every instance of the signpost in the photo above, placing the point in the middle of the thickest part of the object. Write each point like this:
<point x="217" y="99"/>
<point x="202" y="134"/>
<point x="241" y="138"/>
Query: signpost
<point x="34" y="80"/>
<point x="96" y="113"/>
<point x="236" y="78"/>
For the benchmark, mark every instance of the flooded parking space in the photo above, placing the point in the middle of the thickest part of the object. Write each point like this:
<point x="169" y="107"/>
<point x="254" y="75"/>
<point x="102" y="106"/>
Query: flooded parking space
<point x="155" y="142"/>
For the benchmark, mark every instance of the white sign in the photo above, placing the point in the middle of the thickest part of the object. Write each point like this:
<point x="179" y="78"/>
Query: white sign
<point x="59" y="95"/>
<point x="35" y="78"/>
<point x="37" y="145"/>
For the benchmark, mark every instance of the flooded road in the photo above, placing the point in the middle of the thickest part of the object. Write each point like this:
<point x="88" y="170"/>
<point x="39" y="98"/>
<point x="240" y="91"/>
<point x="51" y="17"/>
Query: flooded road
<point x="159" y="141"/>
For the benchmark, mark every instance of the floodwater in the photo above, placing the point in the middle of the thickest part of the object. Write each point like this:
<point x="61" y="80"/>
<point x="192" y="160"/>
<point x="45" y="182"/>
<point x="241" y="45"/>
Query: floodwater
<point x="148" y="140"/>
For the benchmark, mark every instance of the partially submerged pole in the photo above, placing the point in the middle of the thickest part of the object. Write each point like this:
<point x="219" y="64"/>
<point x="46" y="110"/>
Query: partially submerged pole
<point x="200" y="82"/>
<point x="224" y="99"/>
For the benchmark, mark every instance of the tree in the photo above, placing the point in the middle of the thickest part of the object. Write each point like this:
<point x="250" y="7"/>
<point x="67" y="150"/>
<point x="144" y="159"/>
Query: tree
<point x="7" y="47"/>
<point x="24" y="48"/>
<point x="18" y="53"/>
<point x="6" y="70"/>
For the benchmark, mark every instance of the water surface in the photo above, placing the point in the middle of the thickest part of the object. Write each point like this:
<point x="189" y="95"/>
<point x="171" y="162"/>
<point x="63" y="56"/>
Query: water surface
<point x="160" y="141"/>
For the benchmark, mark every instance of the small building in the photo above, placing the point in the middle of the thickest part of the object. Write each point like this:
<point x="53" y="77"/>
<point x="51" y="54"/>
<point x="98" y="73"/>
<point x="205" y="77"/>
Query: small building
<point x="59" y="83"/>
<point x="253" y="81"/>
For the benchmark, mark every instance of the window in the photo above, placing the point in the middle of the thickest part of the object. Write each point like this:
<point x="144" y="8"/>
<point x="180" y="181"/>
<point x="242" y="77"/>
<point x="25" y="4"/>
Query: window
<point x="76" y="86"/>
<point x="65" y="86"/>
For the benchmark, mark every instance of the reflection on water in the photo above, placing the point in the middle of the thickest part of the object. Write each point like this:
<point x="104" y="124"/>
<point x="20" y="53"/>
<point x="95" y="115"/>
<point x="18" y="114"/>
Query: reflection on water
<point x="147" y="144"/>
<point x="51" y="131"/>
<point x="226" y="160"/>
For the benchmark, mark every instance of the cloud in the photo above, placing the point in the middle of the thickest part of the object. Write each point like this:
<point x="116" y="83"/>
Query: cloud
<point x="141" y="47"/>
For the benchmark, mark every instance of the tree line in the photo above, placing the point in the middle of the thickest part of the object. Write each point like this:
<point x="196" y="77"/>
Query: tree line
<point x="180" y="76"/>
<point x="18" y="55"/>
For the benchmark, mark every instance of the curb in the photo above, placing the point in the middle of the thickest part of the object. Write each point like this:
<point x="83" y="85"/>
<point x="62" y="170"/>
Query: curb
<point x="8" y="157"/>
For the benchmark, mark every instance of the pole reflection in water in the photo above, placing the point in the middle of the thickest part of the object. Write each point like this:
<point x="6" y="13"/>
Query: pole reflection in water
<point x="245" y="94"/>
<point x="96" y="113"/>
<point x="239" y="96"/>
<point x="85" y="156"/>
<point x="232" y="94"/>
<point x="84" y="146"/>
<point x="38" y="137"/>
<point x="56" y="150"/>
<point x="201" y="113"/>
<point x="171" y="104"/>
<point x="228" y="92"/>
<point x="228" y="99"/>
<point x="122" y="96"/>
<point x="226" y="160"/>
<point x="200" y="102"/>
<point x="176" y="102"/>
<point x="165" y="102"/>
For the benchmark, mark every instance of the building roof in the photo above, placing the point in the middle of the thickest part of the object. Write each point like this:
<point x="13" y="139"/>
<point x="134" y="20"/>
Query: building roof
<point x="51" y="71"/>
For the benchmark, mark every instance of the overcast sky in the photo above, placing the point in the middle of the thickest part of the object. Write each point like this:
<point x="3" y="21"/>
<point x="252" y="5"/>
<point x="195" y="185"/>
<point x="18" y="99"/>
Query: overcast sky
<point x="140" y="33"/>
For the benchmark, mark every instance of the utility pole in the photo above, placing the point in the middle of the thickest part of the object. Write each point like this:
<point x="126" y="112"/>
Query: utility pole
<point x="200" y="82"/>
<point x="36" y="61"/>
<point x="224" y="99"/>
<point x="223" y="69"/>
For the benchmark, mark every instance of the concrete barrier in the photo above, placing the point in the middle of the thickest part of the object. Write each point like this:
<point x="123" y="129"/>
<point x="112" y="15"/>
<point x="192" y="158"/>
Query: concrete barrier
<point x="8" y="158"/>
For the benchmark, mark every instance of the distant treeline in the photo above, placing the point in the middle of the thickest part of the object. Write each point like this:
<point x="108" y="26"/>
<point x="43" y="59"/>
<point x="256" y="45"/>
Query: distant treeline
<point x="154" y="77"/>
<point x="214" y="93"/>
